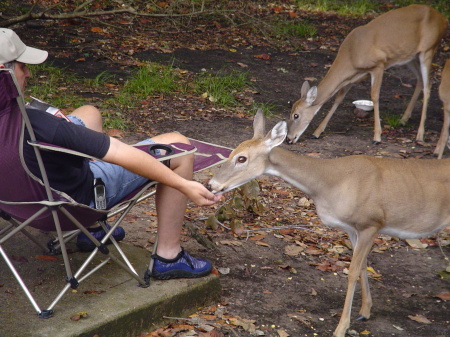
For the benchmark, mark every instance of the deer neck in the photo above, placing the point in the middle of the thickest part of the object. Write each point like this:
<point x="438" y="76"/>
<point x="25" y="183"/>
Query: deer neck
<point x="310" y="175"/>
<point x="340" y="74"/>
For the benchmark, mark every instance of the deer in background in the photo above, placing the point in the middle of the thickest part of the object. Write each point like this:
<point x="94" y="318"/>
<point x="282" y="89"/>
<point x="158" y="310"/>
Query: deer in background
<point x="361" y="195"/>
<point x="444" y="95"/>
<point x="408" y="35"/>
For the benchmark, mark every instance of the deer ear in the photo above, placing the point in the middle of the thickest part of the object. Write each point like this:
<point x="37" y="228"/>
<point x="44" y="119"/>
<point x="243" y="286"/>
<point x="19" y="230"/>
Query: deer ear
<point x="277" y="135"/>
<point x="311" y="96"/>
<point x="304" y="90"/>
<point x="259" y="125"/>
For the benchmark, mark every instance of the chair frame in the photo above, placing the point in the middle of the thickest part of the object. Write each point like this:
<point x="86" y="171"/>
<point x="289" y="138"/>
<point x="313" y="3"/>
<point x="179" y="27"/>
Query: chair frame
<point x="60" y="207"/>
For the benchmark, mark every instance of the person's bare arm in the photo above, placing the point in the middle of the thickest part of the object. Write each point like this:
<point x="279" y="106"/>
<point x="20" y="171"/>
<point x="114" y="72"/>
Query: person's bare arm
<point x="140" y="162"/>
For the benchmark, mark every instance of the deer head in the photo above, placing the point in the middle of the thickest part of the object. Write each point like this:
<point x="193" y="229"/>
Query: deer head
<point x="250" y="159"/>
<point x="302" y="113"/>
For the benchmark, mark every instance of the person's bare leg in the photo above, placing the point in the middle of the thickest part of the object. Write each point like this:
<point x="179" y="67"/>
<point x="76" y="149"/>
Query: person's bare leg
<point x="91" y="117"/>
<point x="170" y="203"/>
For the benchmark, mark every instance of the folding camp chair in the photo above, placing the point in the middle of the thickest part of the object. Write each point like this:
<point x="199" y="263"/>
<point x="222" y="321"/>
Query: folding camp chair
<point x="26" y="200"/>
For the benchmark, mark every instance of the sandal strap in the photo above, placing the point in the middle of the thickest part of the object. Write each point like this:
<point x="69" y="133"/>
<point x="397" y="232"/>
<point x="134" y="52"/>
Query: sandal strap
<point x="187" y="258"/>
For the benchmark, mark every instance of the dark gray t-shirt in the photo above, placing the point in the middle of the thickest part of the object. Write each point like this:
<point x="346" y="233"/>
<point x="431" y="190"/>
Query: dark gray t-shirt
<point x="67" y="173"/>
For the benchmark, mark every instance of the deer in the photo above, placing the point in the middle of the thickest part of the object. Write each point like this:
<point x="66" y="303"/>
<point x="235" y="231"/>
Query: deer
<point x="405" y="36"/>
<point x="444" y="95"/>
<point x="361" y="195"/>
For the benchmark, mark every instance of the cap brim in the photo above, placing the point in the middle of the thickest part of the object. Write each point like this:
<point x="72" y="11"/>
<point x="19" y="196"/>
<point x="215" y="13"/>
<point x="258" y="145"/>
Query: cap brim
<point x="32" y="56"/>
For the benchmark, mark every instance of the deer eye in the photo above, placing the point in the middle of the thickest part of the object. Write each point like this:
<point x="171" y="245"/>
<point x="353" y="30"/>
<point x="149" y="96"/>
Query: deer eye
<point x="241" y="159"/>
<point x="296" y="116"/>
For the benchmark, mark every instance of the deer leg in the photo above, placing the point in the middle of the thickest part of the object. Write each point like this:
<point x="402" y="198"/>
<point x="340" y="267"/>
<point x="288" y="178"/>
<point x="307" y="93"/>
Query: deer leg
<point x="364" y="313"/>
<point x="339" y="97"/>
<point x="366" y="305"/>
<point x="414" y="66"/>
<point x="359" y="261"/>
<point x="425" y="70"/>
<point x="440" y="147"/>
<point x="377" y="79"/>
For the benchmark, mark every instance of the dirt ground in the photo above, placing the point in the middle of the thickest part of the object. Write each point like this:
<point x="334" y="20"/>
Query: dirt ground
<point x="267" y="291"/>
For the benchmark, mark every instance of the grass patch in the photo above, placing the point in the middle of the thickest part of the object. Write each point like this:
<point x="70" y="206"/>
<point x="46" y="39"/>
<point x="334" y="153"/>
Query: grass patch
<point x="392" y="120"/>
<point x="345" y="7"/>
<point x="52" y="85"/>
<point x="151" y="79"/>
<point x="221" y="88"/>
<point x="442" y="6"/>
<point x="269" y="109"/>
<point x="294" y="29"/>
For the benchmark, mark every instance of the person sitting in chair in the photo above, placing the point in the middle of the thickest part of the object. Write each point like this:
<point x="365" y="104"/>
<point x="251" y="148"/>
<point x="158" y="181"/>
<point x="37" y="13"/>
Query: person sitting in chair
<point x="123" y="168"/>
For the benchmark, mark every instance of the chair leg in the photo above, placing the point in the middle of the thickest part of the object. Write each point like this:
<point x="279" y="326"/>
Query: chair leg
<point x="41" y="313"/>
<point x="148" y="272"/>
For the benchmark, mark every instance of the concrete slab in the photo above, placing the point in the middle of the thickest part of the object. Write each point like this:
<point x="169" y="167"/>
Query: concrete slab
<point x="113" y="301"/>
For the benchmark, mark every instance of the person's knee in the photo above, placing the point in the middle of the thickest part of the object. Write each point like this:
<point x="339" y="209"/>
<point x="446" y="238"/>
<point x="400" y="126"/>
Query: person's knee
<point x="171" y="137"/>
<point x="91" y="117"/>
<point x="179" y="138"/>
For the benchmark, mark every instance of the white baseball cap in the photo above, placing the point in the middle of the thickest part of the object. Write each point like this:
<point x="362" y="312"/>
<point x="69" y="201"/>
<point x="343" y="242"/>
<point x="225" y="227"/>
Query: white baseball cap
<point x="13" y="49"/>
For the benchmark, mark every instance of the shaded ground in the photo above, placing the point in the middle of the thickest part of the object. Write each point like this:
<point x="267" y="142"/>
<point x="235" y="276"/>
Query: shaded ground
<point x="301" y="295"/>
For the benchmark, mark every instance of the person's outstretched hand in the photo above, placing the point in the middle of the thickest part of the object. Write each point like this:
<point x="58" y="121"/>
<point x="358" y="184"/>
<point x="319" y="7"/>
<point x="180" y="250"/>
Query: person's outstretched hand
<point x="200" y="194"/>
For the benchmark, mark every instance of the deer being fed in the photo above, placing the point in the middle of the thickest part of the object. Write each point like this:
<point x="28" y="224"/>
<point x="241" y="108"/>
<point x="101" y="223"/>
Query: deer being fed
<point x="405" y="36"/>
<point x="361" y="195"/>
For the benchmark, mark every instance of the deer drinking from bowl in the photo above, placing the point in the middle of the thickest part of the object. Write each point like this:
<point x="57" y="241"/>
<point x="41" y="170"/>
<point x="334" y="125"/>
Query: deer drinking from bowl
<point x="361" y="195"/>
<point x="408" y="35"/>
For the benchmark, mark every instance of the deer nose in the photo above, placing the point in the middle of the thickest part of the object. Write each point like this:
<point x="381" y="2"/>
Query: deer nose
<point x="289" y="141"/>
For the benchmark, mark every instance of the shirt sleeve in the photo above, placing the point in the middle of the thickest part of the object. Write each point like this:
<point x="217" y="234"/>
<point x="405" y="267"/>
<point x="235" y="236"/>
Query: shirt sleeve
<point x="60" y="132"/>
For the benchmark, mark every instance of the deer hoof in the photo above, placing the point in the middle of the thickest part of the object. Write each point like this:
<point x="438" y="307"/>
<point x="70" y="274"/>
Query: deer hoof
<point x="362" y="318"/>
<point x="313" y="137"/>
<point x="376" y="142"/>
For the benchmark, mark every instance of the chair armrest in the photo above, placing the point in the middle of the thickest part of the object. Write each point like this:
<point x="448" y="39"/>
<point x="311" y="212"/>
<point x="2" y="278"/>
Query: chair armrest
<point x="173" y="150"/>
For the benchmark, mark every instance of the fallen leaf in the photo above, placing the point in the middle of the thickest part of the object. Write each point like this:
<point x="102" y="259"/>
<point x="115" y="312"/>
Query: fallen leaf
<point x="282" y="333"/>
<point x="277" y="9"/>
<point x="96" y="30"/>
<point x="46" y="258"/>
<point x="444" y="296"/>
<point x="263" y="56"/>
<point x="293" y="250"/>
<point x="301" y="318"/>
<point x="262" y="243"/>
<point x="420" y="318"/>
<point x="78" y="316"/>
<point x="416" y="243"/>
<point x="246" y="324"/>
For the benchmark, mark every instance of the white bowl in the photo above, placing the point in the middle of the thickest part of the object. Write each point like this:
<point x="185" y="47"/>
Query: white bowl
<point x="365" y="105"/>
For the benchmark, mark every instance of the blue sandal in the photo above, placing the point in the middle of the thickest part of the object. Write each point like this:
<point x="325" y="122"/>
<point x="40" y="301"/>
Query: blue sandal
<point x="182" y="266"/>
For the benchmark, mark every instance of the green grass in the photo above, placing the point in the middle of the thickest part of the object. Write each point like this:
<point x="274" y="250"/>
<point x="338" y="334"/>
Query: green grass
<point x="51" y="84"/>
<point x="294" y="29"/>
<point x="345" y="7"/>
<point x="221" y="88"/>
<point x="151" y="79"/>
<point x="442" y="6"/>
<point x="392" y="120"/>
<point x="269" y="109"/>
<point x="101" y="79"/>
